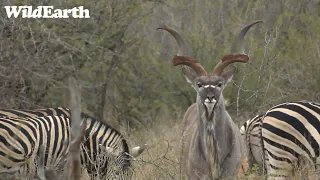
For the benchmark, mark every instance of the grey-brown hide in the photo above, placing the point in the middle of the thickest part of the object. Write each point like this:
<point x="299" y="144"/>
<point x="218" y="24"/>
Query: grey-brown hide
<point x="211" y="142"/>
<point x="211" y="139"/>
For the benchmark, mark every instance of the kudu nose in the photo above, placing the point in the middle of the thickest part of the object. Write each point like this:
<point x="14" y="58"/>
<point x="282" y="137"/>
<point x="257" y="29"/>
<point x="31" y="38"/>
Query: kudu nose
<point x="210" y="97"/>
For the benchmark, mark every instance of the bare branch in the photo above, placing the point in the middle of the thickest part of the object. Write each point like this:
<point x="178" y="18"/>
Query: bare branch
<point x="73" y="166"/>
<point x="41" y="168"/>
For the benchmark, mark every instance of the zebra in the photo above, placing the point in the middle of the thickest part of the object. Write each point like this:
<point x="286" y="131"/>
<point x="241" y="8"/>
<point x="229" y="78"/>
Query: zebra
<point x="98" y="134"/>
<point x="251" y="134"/>
<point x="289" y="137"/>
<point x="20" y="140"/>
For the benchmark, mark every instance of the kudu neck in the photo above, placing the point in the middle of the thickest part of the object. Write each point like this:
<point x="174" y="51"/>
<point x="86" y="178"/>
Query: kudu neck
<point x="211" y="129"/>
<point x="211" y="133"/>
<point x="214" y="126"/>
<point x="218" y="114"/>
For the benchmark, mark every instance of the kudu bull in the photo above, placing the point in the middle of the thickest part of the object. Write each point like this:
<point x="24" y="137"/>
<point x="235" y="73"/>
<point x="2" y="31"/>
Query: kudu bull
<point x="213" y="148"/>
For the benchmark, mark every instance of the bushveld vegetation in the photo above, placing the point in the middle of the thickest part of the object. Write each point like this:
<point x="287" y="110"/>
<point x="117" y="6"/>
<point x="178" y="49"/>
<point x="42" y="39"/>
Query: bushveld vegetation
<point x="125" y="65"/>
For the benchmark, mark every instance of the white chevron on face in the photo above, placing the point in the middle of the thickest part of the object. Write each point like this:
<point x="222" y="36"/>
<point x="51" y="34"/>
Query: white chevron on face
<point x="207" y="86"/>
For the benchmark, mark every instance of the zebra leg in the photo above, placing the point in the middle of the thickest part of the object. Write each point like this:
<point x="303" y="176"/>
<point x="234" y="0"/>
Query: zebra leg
<point x="278" y="170"/>
<point x="31" y="169"/>
<point x="306" y="168"/>
<point x="317" y="174"/>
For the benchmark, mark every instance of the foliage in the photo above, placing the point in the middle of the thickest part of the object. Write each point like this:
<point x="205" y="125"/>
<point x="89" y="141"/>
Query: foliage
<point x="124" y="63"/>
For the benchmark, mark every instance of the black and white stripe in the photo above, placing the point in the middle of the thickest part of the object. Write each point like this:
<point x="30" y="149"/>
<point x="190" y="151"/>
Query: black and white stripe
<point x="20" y="139"/>
<point x="95" y="159"/>
<point x="59" y="111"/>
<point x="291" y="132"/>
<point x="97" y="133"/>
<point x="251" y="133"/>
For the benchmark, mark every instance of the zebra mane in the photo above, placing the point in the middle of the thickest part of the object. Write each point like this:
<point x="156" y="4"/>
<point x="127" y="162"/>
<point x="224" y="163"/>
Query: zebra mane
<point x="96" y="120"/>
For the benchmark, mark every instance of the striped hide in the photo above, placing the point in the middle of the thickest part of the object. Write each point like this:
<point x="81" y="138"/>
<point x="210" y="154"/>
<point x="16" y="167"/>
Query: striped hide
<point x="97" y="133"/>
<point x="251" y="133"/>
<point x="20" y="139"/>
<point x="291" y="136"/>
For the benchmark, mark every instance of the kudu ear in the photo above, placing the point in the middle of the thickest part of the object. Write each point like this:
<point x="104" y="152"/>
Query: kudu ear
<point x="189" y="73"/>
<point x="227" y="76"/>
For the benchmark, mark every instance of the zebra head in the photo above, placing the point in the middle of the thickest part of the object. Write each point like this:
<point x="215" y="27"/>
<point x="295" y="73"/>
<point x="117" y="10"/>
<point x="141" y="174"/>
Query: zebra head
<point x="117" y="160"/>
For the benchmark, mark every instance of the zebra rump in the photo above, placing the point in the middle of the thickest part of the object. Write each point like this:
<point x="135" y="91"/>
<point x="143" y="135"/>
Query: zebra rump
<point x="291" y="132"/>
<point x="251" y="133"/>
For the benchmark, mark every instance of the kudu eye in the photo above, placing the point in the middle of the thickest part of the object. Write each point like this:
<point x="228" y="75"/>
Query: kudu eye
<point x="199" y="85"/>
<point x="219" y="84"/>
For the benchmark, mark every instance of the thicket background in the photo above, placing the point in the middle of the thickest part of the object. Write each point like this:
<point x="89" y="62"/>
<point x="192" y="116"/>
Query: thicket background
<point x="125" y="65"/>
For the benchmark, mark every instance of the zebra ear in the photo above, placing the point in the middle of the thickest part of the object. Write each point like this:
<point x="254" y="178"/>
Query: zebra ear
<point x="243" y="129"/>
<point x="136" y="151"/>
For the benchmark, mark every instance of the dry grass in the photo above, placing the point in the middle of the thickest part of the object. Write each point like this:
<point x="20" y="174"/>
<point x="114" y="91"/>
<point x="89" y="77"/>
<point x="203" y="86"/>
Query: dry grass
<point x="161" y="160"/>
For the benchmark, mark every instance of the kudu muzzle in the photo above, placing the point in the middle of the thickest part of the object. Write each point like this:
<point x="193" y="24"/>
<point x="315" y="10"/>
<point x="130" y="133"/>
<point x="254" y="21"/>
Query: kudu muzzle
<point x="209" y="99"/>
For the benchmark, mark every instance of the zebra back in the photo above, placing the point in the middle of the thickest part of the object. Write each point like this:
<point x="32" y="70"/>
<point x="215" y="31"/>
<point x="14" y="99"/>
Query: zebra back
<point x="291" y="132"/>
<point x="59" y="111"/>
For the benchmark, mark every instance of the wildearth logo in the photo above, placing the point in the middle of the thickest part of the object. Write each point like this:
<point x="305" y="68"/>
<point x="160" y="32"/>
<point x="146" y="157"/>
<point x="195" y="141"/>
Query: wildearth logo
<point x="46" y="12"/>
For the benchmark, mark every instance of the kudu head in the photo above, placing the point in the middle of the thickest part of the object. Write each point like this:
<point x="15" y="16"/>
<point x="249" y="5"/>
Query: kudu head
<point x="209" y="86"/>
